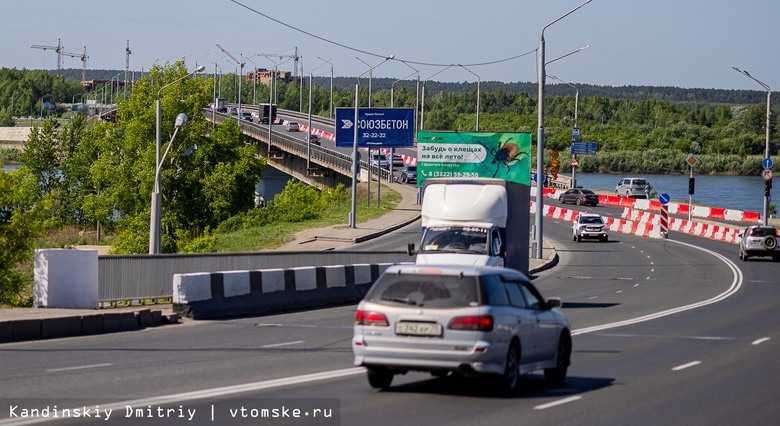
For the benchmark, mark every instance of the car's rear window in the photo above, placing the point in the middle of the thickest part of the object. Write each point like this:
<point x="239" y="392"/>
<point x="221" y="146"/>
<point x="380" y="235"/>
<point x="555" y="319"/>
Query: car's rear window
<point x="423" y="290"/>
<point x="640" y="182"/>
<point x="588" y="192"/>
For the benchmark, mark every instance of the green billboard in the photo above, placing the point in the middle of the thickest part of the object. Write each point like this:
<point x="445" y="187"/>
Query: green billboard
<point x="474" y="154"/>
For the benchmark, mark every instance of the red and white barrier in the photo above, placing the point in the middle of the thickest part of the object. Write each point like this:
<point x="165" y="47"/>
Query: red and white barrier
<point x="703" y="212"/>
<point x="707" y="230"/>
<point x="642" y="229"/>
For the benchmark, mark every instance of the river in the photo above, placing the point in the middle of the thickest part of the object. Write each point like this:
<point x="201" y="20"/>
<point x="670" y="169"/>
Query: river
<point x="731" y="192"/>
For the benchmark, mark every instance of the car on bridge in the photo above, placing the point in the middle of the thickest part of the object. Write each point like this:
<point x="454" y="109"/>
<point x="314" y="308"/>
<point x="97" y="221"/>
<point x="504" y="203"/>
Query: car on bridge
<point x="314" y="139"/>
<point x="292" y="126"/>
<point x="759" y="240"/>
<point x="579" y="197"/>
<point x="408" y="174"/>
<point x="589" y="225"/>
<point x="451" y="319"/>
<point x="379" y="160"/>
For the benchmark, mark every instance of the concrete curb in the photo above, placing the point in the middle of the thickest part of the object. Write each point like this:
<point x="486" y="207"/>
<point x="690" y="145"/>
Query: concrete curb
<point x="54" y="327"/>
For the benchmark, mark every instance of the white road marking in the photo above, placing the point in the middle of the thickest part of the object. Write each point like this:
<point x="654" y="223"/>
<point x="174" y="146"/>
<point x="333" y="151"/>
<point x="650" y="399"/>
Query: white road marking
<point x="736" y="284"/>
<point x="558" y="402"/>
<point x="684" y="366"/>
<point x="760" y="341"/>
<point x="276" y="345"/>
<point x="593" y="297"/>
<point x="80" y="367"/>
<point x="619" y="291"/>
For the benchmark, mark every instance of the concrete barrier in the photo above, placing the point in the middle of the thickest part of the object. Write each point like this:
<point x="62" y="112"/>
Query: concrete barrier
<point x="206" y="295"/>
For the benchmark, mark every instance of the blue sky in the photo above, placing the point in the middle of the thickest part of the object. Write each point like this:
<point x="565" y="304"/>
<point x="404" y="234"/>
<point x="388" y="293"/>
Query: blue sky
<point x="682" y="43"/>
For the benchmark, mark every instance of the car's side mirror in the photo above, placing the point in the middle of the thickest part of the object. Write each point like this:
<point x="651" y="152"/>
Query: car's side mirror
<point x="410" y="249"/>
<point x="554" y="302"/>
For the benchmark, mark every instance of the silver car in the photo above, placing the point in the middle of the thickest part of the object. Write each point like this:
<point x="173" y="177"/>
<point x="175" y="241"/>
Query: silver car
<point x="589" y="225"/>
<point x="459" y="319"/>
<point x="759" y="240"/>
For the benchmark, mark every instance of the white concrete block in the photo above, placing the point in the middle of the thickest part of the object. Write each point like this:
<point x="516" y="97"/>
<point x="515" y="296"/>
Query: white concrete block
<point x="236" y="283"/>
<point x="66" y="279"/>
<point x="191" y="287"/>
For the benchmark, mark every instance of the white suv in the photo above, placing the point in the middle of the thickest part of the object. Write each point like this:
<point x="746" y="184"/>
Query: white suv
<point x="631" y="187"/>
<point x="759" y="241"/>
<point x="589" y="225"/>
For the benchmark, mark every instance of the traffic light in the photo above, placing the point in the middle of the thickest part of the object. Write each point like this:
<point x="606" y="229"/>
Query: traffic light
<point x="691" y="185"/>
<point x="767" y="187"/>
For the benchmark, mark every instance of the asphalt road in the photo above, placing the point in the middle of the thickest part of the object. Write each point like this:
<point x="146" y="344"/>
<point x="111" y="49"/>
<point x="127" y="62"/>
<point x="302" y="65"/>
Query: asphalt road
<point x="665" y="332"/>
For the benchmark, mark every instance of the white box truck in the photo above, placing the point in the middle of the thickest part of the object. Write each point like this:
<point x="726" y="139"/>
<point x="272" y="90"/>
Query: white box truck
<point x="474" y="221"/>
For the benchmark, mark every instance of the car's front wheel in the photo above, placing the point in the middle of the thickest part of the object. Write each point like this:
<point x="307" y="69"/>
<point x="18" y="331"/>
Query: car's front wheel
<point x="557" y="375"/>
<point x="379" y="377"/>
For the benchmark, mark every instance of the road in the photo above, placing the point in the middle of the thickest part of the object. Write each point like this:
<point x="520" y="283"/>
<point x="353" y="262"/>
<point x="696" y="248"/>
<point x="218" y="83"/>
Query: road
<point x="665" y="332"/>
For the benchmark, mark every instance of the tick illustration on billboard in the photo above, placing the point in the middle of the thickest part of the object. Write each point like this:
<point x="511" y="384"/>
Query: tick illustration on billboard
<point x="506" y="152"/>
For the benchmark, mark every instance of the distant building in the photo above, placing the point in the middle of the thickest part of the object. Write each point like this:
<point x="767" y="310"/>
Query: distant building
<point x="263" y="76"/>
<point x="90" y="85"/>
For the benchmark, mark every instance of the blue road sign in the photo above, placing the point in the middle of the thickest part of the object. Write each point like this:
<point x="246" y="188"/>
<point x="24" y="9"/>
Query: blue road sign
<point x="575" y="134"/>
<point x="377" y="127"/>
<point x="767" y="163"/>
<point x="533" y="177"/>
<point x="583" y="148"/>
<point x="664" y="198"/>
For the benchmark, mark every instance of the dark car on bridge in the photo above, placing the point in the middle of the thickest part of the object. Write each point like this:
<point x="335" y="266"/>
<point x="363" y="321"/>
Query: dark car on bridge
<point x="579" y="197"/>
<point x="408" y="174"/>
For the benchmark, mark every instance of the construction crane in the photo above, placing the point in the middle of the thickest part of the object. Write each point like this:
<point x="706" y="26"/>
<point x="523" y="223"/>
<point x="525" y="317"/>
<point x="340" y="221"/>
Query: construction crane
<point x="127" y="68"/>
<point x="294" y="56"/>
<point x="57" y="48"/>
<point x="60" y="52"/>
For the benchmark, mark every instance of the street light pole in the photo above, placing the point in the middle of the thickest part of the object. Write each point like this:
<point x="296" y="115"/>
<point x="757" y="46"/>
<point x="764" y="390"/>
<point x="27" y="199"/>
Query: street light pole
<point x="478" y="84"/>
<point x="309" y="132"/>
<point x="241" y="77"/>
<point x="422" y="111"/>
<point x="154" y="226"/>
<point x="330" y="110"/>
<point x="576" y="124"/>
<point x="768" y="133"/>
<point x="540" y="140"/>
<point x="355" y="163"/>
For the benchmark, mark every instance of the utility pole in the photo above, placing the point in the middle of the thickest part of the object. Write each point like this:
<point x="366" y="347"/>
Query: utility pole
<point x="127" y="67"/>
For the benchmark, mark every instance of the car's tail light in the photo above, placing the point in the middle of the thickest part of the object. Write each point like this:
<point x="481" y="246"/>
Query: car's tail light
<point x="371" y="318"/>
<point x="472" y="322"/>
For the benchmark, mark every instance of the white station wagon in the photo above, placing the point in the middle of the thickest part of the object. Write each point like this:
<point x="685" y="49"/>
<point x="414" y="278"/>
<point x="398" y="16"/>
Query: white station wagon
<point x="461" y="319"/>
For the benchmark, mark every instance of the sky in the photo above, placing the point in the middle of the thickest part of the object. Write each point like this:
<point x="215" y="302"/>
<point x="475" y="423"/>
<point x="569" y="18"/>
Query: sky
<point x="679" y="43"/>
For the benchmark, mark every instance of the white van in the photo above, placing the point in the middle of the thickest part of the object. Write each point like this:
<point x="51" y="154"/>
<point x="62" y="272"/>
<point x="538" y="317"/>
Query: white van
<point x="631" y="187"/>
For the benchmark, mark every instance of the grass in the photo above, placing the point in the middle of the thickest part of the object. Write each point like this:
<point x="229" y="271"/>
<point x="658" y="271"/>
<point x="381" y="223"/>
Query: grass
<point x="272" y="236"/>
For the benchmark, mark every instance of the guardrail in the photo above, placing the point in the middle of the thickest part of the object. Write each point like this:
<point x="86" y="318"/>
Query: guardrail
<point x="150" y="277"/>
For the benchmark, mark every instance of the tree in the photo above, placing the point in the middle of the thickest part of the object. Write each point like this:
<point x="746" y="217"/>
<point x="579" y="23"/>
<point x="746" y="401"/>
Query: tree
<point x="206" y="178"/>
<point x="22" y="220"/>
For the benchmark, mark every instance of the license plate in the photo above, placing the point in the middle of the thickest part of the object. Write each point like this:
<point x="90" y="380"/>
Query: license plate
<point x="418" y="328"/>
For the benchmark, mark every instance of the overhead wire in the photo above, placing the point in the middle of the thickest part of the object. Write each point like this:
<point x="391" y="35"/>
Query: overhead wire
<point x="354" y="49"/>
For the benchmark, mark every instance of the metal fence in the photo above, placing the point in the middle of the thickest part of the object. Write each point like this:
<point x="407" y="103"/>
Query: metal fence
<point x="150" y="277"/>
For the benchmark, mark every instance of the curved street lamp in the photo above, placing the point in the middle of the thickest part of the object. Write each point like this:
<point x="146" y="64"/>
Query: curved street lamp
<point x="355" y="163"/>
<point x="422" y="110"/>
<point x="538" y="252"/>
<point x="576" y="124"/>
<point x="154" y="225"/>
<point x="478" y="83"/>
<point x="309" y="133"/>
<point x="768" y="133"/>
<point x="330" y="110"/>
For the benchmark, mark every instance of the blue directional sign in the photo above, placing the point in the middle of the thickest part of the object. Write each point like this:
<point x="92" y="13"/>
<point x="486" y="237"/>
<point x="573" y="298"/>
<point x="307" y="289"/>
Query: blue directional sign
<point x="664" y="198"/>
<point x="767" y="163"/>
<point x="575" y="134"/>
<point x="377" y="127"/>
<point x="583" y="148"/>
